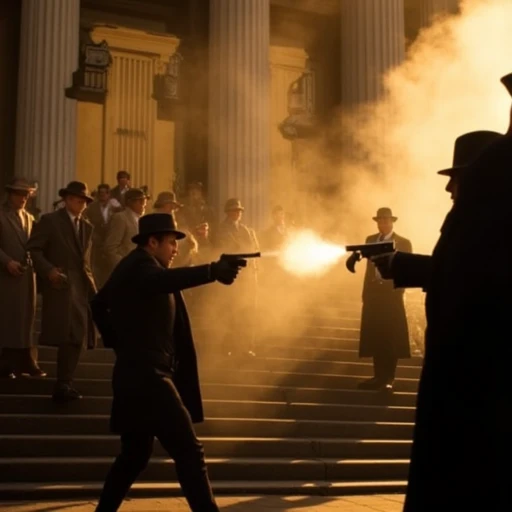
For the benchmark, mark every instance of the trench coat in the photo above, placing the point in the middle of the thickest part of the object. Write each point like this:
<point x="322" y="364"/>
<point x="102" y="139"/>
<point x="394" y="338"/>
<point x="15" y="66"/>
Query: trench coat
<point x="140" y="313"/>
<point x="66" y="315"/>
<point x="383" y="319"/>
<point x="463" y="433"/>
<point x="17" y="294"/>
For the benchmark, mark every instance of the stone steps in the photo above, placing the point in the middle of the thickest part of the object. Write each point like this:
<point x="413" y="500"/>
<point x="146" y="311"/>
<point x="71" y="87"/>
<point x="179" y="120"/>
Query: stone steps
<point x="33" y="404"/>
<point x="97" y="424"/>
<point x="230" y="391"/>
<point x="86" y="490"/>
<point x="294" y="413"/>
<point x="59" y="469"/>
<point x="31" y="446"/>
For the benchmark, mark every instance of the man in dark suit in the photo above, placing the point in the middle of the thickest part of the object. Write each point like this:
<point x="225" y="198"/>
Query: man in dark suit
<point x="384" y="330"/>
<point x="60" y="247"/>
<point x="141" y="314"/>
<point x="117" y="193"/>
<point x="462" y="437"/>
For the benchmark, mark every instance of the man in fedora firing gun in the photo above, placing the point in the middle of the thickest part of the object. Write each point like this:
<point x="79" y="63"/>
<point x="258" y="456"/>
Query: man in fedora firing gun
<point x="141" y="314"/>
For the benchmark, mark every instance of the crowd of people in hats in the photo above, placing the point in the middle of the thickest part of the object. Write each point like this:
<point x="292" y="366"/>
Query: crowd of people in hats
<point x="68" y="254"/>
<point x="462" y="436"/>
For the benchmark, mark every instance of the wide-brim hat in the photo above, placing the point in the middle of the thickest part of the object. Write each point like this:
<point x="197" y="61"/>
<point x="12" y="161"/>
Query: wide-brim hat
<point x="167" y="198"/>
<point x="468" y="148"/>
<point x="507" y="82"/>
<point x="233" y="204"/>
<point x="385" y="213"/>
<point x="77" y="189"/>
<point x="18" y="184"/>
<point x="156" y="224"/>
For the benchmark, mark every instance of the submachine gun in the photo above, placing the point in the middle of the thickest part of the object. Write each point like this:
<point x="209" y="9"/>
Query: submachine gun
<point x="367" y="251"/>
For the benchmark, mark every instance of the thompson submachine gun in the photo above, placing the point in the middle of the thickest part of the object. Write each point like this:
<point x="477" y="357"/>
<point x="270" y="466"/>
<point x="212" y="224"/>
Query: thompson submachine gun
<point x="240" y="260"/>
<point x="366" y="251"/>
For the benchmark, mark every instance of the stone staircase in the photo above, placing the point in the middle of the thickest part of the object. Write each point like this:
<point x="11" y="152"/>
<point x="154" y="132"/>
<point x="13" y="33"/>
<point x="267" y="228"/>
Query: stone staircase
<point x="291" y="422"/>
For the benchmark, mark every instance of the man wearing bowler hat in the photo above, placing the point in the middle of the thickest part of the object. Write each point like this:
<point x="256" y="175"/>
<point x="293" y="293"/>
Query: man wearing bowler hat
<point x="17" y="285"/>
<point x="462" y="437"/>
<point x="60" y="247"/>
<point x="384" y="331"/>
<point x="155" y="380"/>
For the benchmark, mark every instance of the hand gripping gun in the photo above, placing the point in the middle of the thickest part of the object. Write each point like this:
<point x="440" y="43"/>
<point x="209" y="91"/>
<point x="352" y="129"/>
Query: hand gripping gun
<point x="367" y="251"/>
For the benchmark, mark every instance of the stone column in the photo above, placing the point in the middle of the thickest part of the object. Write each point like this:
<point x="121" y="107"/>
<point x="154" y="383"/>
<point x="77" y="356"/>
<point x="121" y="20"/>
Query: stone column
<point x="46" y="119"/>
<point x="239" y="139"/>
<point x="372" y="43"/>
<point x="431" y="8"/>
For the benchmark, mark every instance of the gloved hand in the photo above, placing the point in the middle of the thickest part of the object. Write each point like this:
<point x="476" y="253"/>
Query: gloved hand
<point x="224" y="271"/>
<point x="384" y="262"/>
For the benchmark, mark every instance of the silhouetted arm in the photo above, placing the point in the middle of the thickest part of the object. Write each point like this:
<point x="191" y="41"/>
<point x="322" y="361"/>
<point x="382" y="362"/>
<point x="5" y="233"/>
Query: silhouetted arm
<point x="411" y="270"/>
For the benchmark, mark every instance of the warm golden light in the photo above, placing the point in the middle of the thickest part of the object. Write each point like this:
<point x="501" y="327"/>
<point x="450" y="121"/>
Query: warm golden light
<point x="306" y="254"/>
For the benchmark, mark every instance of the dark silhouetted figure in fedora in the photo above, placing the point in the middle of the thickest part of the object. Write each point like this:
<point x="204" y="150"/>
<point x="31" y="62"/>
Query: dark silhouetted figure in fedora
<point x="462" y="437"/>
<point x="384" y="331"/>
<point x="141" y="314"/>
<point x="60" y="247"/>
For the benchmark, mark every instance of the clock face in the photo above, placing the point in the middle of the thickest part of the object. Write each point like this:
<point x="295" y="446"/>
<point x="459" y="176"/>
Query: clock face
<point x="96" y="57"/>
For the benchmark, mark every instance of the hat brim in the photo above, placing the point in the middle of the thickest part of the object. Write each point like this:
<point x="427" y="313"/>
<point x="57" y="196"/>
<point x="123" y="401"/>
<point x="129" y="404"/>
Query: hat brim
<point x="141" y="237"/>
<point x="28" y="190"/>
<point x="452" y="170"/>
<point x="63" y="192"/>
<point x="394" y="219"/>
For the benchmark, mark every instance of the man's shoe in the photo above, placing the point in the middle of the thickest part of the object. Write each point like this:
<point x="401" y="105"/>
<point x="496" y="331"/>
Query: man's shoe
<point x="35" y="371"/>
<point x="65" y="393"/>
<point x="7" y="375"/>
<point x="372" y="384"/>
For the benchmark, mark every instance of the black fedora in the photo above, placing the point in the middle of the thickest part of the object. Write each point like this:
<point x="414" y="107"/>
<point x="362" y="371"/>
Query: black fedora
<point x="78" y="189"/>
<point x="156" y="224"/>
<point x="385" y="213"/>
<point x="468" y="148"/>
<point x="507" y="82"/>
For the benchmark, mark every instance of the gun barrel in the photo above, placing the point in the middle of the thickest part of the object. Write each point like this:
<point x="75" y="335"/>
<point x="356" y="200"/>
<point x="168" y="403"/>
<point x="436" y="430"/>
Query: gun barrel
<point x="372" y="248"/>
<point x="242" y="256"/>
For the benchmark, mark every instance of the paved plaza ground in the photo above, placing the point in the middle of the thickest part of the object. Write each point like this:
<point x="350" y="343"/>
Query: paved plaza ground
<point x="381" y="503"/>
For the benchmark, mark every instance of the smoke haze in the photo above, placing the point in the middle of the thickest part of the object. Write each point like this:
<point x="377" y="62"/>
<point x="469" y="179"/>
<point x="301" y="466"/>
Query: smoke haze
<point x="448" y="85"/>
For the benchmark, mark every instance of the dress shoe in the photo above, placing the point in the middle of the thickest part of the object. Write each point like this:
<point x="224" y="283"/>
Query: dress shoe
<point x="7" y="375"/>
<point x="372" y="384"/>
<point x="386" y="388"/>
<point x="65" y="393"/>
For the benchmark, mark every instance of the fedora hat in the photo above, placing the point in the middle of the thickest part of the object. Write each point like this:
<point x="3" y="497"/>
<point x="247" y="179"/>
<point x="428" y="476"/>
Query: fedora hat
<point x="233" y="204"/>
<point x="78" y="189"/>
<point x="166" y="198"/>
<point x="18" y="184"/>
<point x="134" y="194"/>
<point x="468" y="148"/>
<point x="507" y="82"/>
<point x="385" y="213"/>
<point x="155" y="224"/>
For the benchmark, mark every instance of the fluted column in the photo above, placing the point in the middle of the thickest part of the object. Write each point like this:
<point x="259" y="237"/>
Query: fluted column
<point x="46" y="119"/>
<point x="431" y="8"/>
<point x="372" y="43"/>
<point x="239" y="139"/>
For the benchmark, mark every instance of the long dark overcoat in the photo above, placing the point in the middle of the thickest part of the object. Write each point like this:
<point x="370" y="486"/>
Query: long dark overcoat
<point x="383" y="319"/>
<point x="463" y="433"/>
<point x="17" y="294"/>
<point x="65" y="312"/>
<point x="138" y="311"/>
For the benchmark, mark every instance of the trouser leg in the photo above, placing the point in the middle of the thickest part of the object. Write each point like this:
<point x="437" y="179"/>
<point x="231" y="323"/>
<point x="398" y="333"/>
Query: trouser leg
<point x="135" y="453"/>
<point x="384" y="366"/>
<point x="68" y="357"/>
<point x="178" y="438"/>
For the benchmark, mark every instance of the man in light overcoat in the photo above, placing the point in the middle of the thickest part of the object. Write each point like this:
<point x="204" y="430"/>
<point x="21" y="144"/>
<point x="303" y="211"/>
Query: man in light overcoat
<point x="17" y="285"/>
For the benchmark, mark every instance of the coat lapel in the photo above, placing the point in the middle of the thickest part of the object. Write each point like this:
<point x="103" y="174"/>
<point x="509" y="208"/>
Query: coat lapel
<point x="69" y="232"/>
<point x="21" y="233"/>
